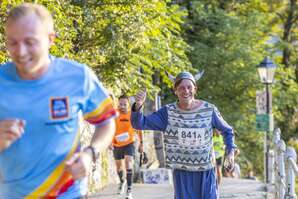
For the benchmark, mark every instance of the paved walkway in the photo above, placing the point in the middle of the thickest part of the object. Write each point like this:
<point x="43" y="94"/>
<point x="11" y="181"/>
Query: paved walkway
<point x="140" y="191"/>
<point x="230" y="189"/>
<point x="242" y="189"/>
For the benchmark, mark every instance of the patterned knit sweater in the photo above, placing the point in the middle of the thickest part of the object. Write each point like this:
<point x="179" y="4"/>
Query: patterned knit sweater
<point x="188" y="138"/>
<point x="187" y="134"/>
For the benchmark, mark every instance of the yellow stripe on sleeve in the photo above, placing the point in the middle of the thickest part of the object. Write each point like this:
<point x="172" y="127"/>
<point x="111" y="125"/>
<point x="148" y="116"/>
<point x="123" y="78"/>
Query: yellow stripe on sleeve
<point x="99" y="109"/>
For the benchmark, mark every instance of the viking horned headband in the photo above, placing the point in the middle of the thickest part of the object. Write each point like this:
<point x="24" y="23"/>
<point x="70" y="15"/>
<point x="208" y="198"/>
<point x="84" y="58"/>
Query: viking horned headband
<point x="185" y="75"/>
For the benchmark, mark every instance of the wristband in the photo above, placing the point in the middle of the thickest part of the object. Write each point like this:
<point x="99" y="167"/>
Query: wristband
<point x="95" y="153"/>
<point x="134" y="108"/>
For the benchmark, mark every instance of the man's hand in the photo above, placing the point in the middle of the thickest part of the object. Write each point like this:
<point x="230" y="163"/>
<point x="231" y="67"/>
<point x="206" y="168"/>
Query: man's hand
<point x="79" y="164"/>
<point x="229" y="161"/>
<point x="10" y="131"/>
<point x="140" y="99"/>
<point x="111" y="147"/>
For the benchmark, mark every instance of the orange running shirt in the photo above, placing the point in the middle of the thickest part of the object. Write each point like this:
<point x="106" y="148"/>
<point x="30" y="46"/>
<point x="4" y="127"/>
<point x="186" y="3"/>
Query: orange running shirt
<point x="124" y="132"/>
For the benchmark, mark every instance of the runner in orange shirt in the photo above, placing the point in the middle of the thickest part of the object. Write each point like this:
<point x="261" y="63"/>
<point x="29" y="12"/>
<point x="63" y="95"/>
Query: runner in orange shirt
<point x="123" y="143"/>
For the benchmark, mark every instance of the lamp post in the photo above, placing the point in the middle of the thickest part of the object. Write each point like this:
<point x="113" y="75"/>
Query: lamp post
<point x="266" y="71"/>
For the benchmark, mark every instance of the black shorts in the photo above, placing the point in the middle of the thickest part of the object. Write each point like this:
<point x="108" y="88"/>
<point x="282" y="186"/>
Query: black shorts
<point x="219" y="161"/>
<point x="120" y="152"/>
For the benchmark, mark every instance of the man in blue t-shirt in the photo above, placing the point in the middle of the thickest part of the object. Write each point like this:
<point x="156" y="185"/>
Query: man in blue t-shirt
<point x="41" y="100"/>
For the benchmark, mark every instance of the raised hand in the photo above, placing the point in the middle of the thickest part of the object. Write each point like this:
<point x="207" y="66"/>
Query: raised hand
<point x="140" y="98"/>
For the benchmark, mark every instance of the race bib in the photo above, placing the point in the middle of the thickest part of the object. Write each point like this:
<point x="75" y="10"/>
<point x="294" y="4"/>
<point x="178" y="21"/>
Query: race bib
<point x="191" y="137"/>
<point x="123" y="137"/>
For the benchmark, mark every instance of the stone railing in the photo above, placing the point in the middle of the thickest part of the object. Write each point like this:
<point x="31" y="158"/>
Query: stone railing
<point x="283" y="168"/>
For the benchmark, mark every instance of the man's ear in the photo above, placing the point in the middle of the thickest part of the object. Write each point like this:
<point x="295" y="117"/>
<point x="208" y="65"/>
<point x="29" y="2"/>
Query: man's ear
<point x="175" y="91"/>
<point x="52" y="36"/>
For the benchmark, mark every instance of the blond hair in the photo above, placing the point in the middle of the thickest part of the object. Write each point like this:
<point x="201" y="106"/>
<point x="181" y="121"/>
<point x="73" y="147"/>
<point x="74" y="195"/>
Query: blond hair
<point x="26" y="9"/>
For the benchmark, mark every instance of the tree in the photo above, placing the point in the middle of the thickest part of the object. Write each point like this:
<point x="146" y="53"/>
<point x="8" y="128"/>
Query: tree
<point x="286" y="88"/>
<point x="129" y="42"/>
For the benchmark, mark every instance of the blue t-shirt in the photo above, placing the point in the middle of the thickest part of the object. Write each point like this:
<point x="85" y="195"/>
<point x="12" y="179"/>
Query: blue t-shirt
<point x="33" y="166"/>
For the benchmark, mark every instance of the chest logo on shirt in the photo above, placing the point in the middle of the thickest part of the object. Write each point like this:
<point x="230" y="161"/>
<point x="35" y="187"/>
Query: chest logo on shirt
<point x="59" y="108"/>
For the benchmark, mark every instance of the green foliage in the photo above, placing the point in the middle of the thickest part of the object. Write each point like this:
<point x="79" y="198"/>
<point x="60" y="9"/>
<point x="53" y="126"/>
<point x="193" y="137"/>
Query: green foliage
<point x="285" y="102"/>
<point x="285" y="21"/>
<point x="127" y="43"/>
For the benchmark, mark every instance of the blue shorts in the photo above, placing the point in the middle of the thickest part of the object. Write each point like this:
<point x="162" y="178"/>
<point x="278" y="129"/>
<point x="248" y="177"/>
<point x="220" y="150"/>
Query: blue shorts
<point x="219" y="161"/>
<point x="120" y="152"/>
<point x="195" y="184"/>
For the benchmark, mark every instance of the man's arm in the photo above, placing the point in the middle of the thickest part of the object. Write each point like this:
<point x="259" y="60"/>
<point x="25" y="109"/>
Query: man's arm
<point x="103" y="135"/>
<point x="227" y="132"/>
<point x="140" y="136"/>
<point x="155" y="121"/>
<point x="141" y="146"/>
<point x="79" y="164"/>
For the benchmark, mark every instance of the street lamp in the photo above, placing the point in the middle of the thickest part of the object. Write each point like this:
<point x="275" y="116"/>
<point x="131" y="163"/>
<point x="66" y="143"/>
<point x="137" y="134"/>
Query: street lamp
<point x="266" y="71"/>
